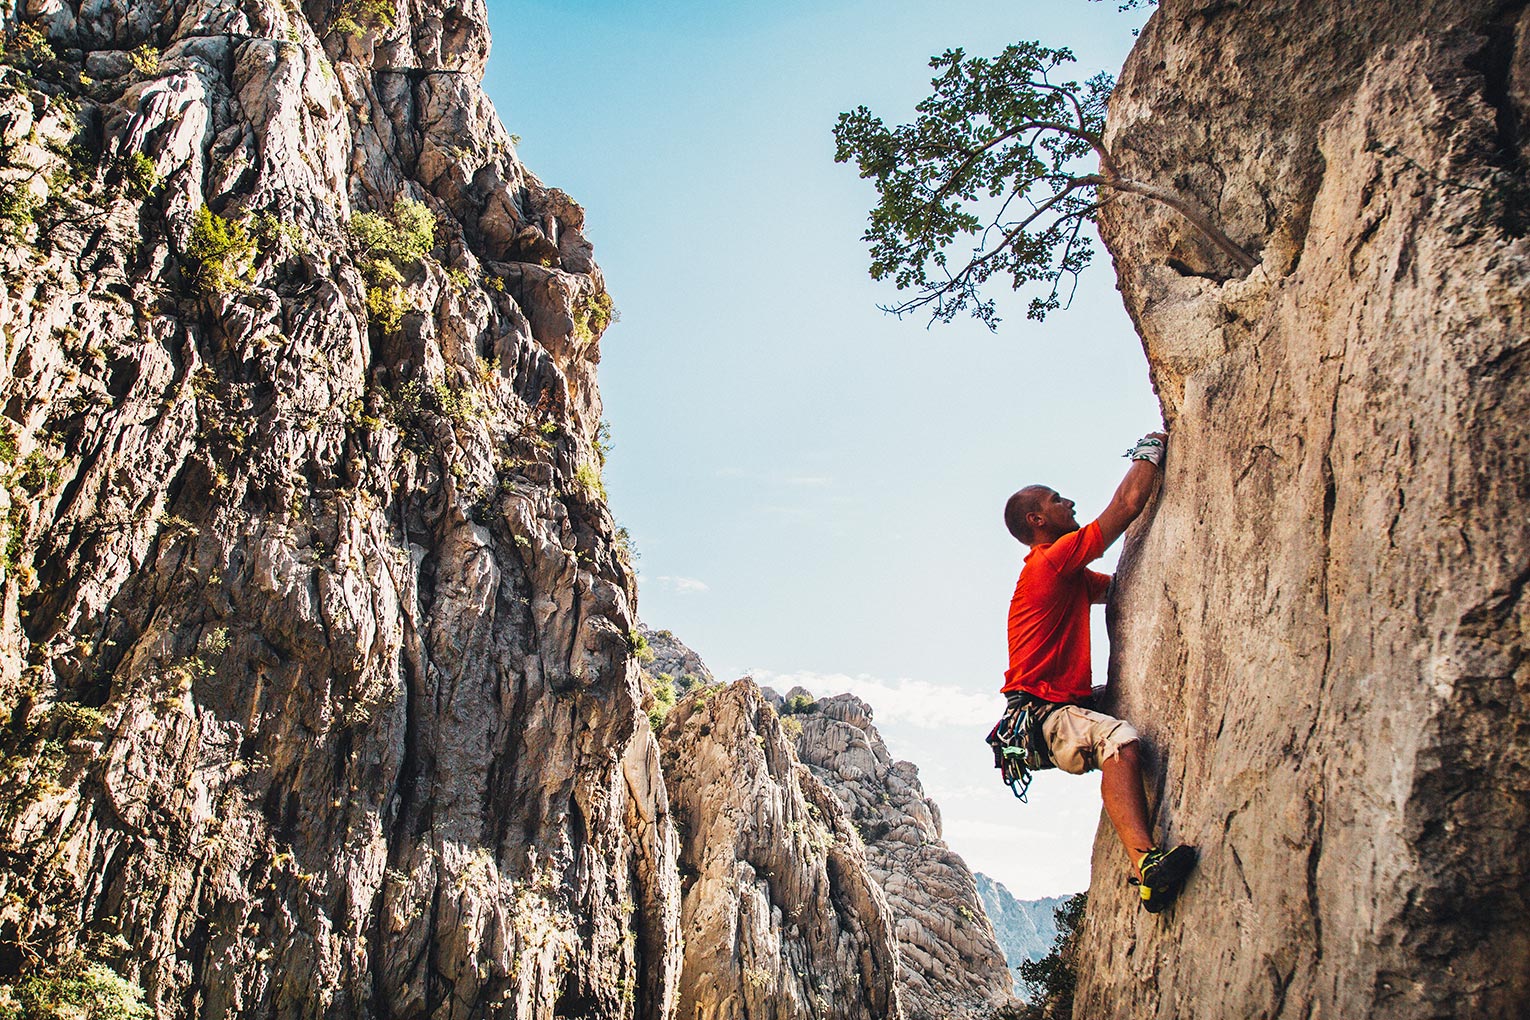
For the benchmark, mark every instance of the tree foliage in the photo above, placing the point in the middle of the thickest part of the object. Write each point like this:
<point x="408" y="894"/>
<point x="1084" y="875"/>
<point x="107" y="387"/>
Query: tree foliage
<point x="999" y="175"/>
<point x="223" y="252"/>
<point x="991" y="157"/>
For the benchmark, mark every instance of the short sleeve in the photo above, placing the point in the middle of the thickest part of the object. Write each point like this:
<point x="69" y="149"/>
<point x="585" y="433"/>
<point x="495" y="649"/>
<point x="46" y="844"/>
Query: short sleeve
<point x="1069" y="554"/>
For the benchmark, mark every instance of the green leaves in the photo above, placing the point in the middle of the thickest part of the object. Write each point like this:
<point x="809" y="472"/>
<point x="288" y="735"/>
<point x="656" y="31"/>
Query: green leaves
<point x="992" y="178"/>
<point x="223" y="253"/>
<point x="384" y="244"/>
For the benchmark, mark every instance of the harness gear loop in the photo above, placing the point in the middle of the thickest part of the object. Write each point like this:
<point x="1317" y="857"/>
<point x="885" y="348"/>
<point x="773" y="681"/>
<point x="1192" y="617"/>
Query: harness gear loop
<point x="1019" y="748"/>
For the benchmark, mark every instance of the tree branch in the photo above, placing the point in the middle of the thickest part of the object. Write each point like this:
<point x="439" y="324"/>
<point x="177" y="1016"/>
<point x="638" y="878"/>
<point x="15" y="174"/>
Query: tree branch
<point x="1184" y="207"/>
<point x="1018" y="129"/>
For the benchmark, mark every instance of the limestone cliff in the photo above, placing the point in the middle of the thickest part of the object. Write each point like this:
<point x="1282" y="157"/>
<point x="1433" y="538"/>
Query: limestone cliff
<point x="951" y="962"/>
<point x="1320" y="626"/>
<point x="314" y="631"/>
<point x="781" y="916"/>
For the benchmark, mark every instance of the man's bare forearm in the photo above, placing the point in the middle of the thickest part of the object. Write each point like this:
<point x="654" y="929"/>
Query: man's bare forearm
<point x="1137" y="487"/>
<point x="1133" y="493"/>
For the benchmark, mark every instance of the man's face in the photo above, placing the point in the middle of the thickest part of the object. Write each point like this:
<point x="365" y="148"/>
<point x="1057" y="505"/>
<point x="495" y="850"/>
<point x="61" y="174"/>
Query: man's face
<point x="1057" y="514"/>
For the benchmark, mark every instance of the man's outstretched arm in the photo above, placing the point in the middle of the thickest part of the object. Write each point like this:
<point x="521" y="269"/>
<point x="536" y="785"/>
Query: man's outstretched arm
<point x="1131" y="495"/>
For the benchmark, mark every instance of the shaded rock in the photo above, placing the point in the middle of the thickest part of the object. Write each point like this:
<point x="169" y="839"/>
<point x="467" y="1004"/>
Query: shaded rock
<point x="313" y="633"/>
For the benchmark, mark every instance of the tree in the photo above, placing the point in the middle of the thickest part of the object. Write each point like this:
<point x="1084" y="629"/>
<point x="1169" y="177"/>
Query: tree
<point x="999" y="154"/>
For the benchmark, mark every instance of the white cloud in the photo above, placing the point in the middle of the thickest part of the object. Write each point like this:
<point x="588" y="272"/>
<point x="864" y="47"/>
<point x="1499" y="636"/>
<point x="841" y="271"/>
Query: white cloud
<point x="683" y="585"/>
<point x="913" y="702"/>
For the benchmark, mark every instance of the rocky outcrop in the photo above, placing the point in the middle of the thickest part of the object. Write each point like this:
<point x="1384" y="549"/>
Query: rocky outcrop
<point x="1320" y="627"/>
<point x="781" y="916"/>
<point x="1025" y="928"/>
<point x="314" y="632"/>
<point x="951" y="963"/>
<point x="672" y="658"/>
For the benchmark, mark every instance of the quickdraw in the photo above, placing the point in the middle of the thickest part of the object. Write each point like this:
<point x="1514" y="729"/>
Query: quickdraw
<point x="1018" y="745"/>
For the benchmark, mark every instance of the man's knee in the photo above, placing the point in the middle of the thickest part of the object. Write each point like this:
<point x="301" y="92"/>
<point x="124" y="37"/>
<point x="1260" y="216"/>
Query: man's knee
<point x="1121" y="745"/>
<point x="1123" y="751"/>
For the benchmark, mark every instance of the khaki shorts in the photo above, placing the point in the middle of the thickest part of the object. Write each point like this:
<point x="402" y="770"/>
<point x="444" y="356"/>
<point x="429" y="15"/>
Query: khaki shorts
<point x="1080" y="739"/>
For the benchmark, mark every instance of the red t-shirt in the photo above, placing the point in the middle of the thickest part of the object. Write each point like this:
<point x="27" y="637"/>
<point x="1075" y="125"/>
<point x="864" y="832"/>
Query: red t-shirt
<point x="1049" y="617"/>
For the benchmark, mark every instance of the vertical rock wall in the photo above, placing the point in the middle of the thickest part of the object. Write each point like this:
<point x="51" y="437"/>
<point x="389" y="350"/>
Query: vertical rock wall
<point x="315" y="632"/>
<point x="1320" y="626"/>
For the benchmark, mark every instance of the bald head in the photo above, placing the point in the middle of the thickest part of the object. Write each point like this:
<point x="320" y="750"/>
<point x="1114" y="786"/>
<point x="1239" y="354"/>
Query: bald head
<point x="1028" y="500"/>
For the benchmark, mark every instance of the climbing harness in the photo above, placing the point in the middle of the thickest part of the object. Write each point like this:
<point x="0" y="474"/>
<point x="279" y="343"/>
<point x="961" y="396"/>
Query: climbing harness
<point x="1018" y="745"/>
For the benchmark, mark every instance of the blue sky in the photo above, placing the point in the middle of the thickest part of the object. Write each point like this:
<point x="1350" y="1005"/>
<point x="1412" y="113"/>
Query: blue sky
<point x="815" y="488"/>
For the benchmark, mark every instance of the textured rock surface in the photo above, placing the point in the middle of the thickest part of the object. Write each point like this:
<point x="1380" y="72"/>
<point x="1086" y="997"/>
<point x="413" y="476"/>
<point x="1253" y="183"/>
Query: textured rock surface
<point x="952" y="965"/>
<point x="1025" y="928"/>
<point x="314" y="630"/>
<point x="1321" y="626"/>
<point x="781" y="916"/>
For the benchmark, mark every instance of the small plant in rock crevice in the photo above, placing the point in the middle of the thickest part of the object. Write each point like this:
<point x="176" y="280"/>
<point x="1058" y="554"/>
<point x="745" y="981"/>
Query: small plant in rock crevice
<point x="145" y="60"/>
<point x="589" y="483"/>
<point x="279" y="236"/>
<point x="386" y="244"/>
<point x="28" y="48"/>
<point x="637" y="644"/>
<point x="18" y="208"/>
<point x="222" y="252"/>
<point x="592" y="316"/>
<point x="357" y="17"/>
<point x="662" y="687"/>
<point x="140" y="176"/>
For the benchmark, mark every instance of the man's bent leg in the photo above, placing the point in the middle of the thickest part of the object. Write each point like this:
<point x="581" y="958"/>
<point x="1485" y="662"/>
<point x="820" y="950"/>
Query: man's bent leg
<point x="1125" y="803"/>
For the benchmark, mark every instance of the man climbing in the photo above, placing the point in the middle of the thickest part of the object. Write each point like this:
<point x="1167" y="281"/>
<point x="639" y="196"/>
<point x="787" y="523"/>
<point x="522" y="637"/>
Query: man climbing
<point x="1049" y="658"/>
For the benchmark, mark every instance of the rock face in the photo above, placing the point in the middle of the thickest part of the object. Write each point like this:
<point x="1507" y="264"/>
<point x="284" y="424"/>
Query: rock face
<point x="1025" y="928"/>
<point x="314" y="633"/>
<point x="781" y="916"/>
<point x="951" y="963"/>
<point x="1321" y="624"/>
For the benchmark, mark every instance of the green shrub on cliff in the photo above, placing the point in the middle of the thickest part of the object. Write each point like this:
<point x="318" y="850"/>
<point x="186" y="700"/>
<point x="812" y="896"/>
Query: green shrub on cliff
<point x="593" y="316"/>
<point x="140" y="175"/>
<point x="406" y="235"/>
<point x="146" y="60"/>
<point x="663" y="688"/>
<point x="28" y="48"/>
<point x="385" y="244"/>
<point x="75" y="991"/>
<point x="18" y="207"/>
<point x="357" y="17"/>
<point x="223" y="253"/>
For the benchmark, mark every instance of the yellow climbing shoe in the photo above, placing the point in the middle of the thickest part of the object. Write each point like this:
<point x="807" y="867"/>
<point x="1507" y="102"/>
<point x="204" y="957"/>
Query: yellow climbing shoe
<point x="1163" y="872"/>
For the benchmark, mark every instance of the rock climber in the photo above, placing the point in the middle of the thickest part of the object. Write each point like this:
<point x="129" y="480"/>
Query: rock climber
<point x="1049" y="658"/>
